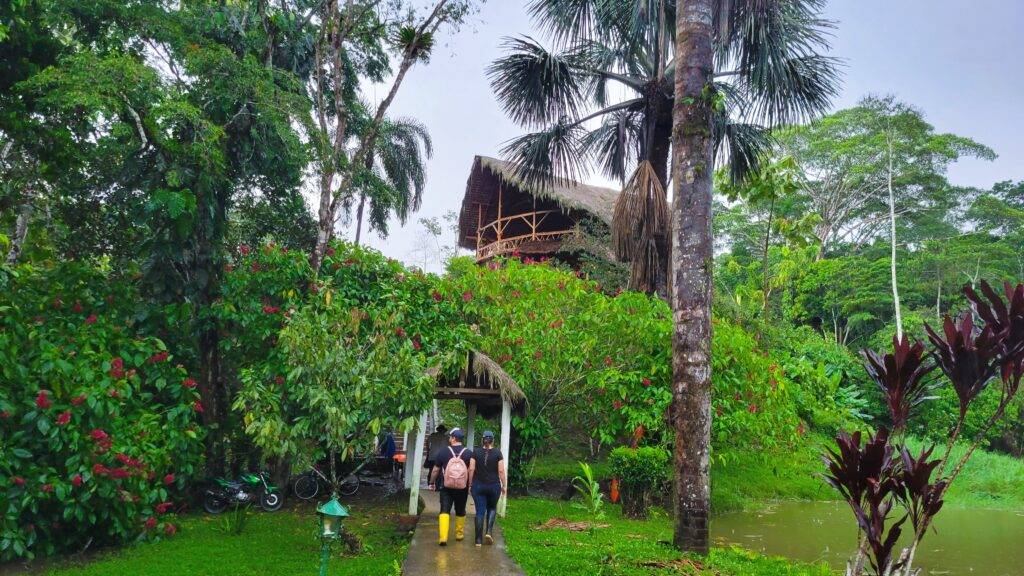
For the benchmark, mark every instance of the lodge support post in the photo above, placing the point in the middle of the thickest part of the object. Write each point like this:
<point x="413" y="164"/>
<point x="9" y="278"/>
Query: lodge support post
<point x="409" y="460"/>
<point x="470" y="423"/>
<point x="417" y="467"/>
<point x="506" y="436"/>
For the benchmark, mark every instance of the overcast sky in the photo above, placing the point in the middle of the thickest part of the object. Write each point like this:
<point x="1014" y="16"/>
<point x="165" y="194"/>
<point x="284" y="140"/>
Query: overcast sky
<point x="962" y="63"/>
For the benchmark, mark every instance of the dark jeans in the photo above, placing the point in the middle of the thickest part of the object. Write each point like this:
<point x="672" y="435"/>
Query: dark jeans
<point x="485" y="497"/>
<point x="450" y="497"/>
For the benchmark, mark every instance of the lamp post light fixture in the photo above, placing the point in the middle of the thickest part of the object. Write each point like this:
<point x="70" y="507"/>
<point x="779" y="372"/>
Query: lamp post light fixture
<point x="331" y="515"/>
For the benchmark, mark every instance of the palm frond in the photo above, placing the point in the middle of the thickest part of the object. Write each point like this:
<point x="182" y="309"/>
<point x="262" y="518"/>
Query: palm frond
<point x="641" y="227"/>
<point x="615" y="144"/>
<point x="535" y="86"/>
<point x="741" y="146"/>
<point x="554" y="154"/>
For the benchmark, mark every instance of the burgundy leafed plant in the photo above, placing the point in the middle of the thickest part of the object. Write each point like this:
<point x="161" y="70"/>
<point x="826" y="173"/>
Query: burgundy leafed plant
<point x="901" y="377"/>
<point x="967" y="356"/>
<point x="914" y="487"/>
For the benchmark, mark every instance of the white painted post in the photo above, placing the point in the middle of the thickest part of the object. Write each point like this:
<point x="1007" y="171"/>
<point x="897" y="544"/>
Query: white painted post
<point x="470" y="424"/>
<point x="417" y="466"/>
<point x="409" y="460"/>
<point x="506" y="436"/>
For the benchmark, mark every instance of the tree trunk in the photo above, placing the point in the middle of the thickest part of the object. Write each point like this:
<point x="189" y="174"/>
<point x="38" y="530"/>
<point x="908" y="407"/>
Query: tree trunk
<point x="691" y="273"/>
<point x="20" y="232"/>
<point x="892" y="243"/>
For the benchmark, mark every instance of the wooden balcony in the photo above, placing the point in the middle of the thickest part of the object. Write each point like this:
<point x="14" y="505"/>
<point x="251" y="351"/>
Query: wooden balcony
<point x="492" y="241"/>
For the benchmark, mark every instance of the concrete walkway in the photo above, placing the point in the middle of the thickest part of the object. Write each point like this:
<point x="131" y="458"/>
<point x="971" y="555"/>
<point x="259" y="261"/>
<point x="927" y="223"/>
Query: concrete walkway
<point x="426" y="558"/>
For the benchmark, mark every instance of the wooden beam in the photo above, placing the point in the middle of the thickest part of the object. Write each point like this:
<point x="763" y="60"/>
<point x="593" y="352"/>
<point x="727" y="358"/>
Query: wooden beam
<point x="457" y="390"/>
<point x="506" y="435"/>
<point x="417" y="466"/>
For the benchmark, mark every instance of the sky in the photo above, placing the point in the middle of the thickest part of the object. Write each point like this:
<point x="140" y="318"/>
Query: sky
<point x="961" y="63"/>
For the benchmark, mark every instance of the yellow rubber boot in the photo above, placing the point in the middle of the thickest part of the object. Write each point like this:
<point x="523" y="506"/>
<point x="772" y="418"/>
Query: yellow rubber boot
<point x="442" y="523"/>
<point x="460" y="528"/>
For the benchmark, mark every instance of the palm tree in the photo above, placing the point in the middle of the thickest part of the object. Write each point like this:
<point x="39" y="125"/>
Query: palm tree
<point x="604" y="95"/>
<point x="395" y="173"/>
<point x="768" y="50"/>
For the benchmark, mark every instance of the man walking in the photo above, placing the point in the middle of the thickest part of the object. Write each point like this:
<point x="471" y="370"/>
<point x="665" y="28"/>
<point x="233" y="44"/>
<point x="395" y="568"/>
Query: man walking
<point x="450" y="474"/>
<point x="488" y="481"/>
<point x="435" y="442"/>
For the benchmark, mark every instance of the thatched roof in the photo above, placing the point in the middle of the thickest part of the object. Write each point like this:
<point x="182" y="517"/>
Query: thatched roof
<point x="487" y="173"/>
<point x="483" y="381"/>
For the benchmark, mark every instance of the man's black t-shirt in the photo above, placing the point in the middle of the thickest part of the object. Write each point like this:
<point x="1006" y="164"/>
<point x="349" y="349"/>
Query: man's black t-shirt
<point x="486" y="465"/>
<point x="445" y="454"/>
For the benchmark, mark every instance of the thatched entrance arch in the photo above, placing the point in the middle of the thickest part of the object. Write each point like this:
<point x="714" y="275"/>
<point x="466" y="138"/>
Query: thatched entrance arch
<point x="486" y="389"/>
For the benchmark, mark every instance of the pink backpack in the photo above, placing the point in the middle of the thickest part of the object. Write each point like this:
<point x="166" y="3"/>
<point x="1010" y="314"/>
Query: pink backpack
<point x="456" y="473"/>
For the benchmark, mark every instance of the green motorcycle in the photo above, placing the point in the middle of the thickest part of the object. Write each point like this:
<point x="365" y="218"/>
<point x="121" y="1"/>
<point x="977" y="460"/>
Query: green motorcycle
<point x="247" y="489"/>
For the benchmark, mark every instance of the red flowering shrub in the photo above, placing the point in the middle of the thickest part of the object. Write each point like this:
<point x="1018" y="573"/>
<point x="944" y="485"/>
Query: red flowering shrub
<point x="78" y="394"/>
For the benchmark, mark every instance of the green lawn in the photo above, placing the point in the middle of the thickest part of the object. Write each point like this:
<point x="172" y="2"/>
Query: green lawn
<point x="278" y="544"/>
<point x="623" y="548"/>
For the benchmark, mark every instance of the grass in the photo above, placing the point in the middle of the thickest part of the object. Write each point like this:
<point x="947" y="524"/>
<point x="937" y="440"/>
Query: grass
<point x="988" y="480"/>
<point x="622" y="548"/>
<point x="282" y="543"/>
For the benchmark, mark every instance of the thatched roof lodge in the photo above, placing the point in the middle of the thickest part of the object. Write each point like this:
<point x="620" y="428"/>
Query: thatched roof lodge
<point x="502" y="215"/>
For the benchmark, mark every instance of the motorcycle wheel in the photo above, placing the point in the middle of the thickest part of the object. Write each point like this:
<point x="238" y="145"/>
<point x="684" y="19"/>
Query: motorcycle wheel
<point x="349" y="486"/>
<point x="215" y="504"/>
<point x="306" y="487"/>
<point x="271" y="501"/>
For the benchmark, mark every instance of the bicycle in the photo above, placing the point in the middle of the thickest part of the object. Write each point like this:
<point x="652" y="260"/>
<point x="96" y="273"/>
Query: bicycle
<point x="307" y="485"/>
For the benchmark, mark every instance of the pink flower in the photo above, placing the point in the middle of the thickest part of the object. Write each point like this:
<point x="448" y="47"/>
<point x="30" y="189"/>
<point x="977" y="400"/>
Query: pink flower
<point x="98" y="435"/>
<point x="100" y="470"/>
<point x="400" y="332"/>
<point x="120" y="473"/>
<point x="117" y="368"/>
<point x="114" y="393"/>
<point x="268" y="309"/>
<point x="43" y="400"/>
<point x="64" y="418"/>
<point x="159" y="357"/>
<point x="169" y="479"/>
<point x="150" y="523"/>
<point x="91" y="319"/>
<point x="78" y="400"/>
<point x="244" y="250"/>
<point x="467" y="296"/>
<point x="189" y="383"/>
<point x="617" y="405"/>
<point x="163" y="507"/>
<point x="77" y="480"/>
<point x="18" y="481"/>
<point x="752" y="408"/>
<point x="329" y="251"/>
<point x="46" y="488"/>
<point x="197" y="406"/>
<point x="646" y="382"/>
<point x="436" y="296"/>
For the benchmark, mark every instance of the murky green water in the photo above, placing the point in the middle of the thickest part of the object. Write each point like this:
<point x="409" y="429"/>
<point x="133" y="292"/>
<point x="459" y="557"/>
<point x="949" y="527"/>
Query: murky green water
<point x="966" y="541"/>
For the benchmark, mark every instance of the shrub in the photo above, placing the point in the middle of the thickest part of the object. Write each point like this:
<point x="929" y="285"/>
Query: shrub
<point x="641" y="473"/>
<point x="97" y="424"/>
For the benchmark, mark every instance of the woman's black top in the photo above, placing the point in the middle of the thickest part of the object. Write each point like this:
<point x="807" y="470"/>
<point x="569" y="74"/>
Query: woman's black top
<point x="486" y="465"/>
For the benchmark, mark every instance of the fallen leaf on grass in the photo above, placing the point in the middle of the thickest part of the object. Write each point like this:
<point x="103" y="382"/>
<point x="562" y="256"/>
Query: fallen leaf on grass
<point x="677" y="564"/>
<point x="570" y="526"/>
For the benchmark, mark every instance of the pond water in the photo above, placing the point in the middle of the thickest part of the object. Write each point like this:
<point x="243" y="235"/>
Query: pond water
<point x="966" y="541"/>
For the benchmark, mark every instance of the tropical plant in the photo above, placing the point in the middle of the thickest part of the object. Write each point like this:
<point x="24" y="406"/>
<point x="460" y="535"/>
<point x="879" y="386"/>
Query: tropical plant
<point x="592" y="499"/>
<point x="768" y="68"/>
<point x="642" y="473"/>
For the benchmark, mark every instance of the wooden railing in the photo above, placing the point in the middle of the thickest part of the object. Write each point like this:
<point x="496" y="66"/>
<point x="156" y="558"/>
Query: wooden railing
<point x="507" y="245"/>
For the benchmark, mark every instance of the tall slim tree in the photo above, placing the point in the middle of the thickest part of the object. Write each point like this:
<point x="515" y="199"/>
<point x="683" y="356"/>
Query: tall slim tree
<point x="770" y="48"/>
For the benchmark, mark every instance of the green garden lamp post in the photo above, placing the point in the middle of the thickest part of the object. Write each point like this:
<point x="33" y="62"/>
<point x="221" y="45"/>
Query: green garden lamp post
<point x="331" y="515"/>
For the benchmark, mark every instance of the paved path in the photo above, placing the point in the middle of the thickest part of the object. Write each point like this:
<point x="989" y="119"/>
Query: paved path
<point x="426" y="558"/>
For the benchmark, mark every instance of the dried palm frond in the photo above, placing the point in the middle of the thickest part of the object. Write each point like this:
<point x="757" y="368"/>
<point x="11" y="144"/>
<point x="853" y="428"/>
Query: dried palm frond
<point x="641" y="227"/>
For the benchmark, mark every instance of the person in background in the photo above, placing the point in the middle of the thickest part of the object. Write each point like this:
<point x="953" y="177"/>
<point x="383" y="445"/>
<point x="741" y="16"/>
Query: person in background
<point x="435" y="443"/>
<point x="451" y="475"/>
<point x="488" y="481"/>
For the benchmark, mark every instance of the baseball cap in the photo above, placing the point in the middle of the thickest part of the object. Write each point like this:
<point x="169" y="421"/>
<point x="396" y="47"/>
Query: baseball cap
<point x="489" y="434"/>
<point x="457" y="434"/>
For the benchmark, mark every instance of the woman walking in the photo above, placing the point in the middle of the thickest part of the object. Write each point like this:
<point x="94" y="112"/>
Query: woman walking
<point x="487" y="478"/>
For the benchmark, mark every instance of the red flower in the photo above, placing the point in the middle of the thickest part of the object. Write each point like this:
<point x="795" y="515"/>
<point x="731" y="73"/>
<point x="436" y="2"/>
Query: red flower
<point x="647" y="382"/>
<point x="752" y="408"/>
<point x="255" y="267"/>
<point x="98" y="435"/>
<point x="800" y="429"/>
<point x="268" y="309"/>
<point x="600" y="391"/>
<point x="57" y="302"/>
<point x="46" y="488"/>
<point x="169" y="479"/>
<point x="170" y="529"/>
<point x="519" y="341"/>
<point x="608" y="361"/>
<point x="350" y="261"/>
<point x="119" y="473"/>
<point x="516" y="293"/>
<point x="19" y="481"/>
<point x="163" y="507"/>
<point x="416" y="342"/>
<point x="43" y="400"/>
<point x="617" y="405"/>
<point x="467" y="296"/>
<point x="91" y="319"/>
<point x="100" y="470"/>
<point x="197" y="406"/>
<point x="436" y="296"/>
<point x="114" y="393"/>
<point x="150" y="523"/>
<point x="561" y="285"/>
<point x="64" y="418"/>
<point x="244" y="250"/>
<point x="78" y="400"/>
<point x="538" y="355"/>
<point x="400" y="332"/>
<point x="189" y="383"/>
<point x="77" y="480"/>
<point x="557" y="324"/>
<point x="77" y="308"/>
<point x="279" y="380"/>
<point x="504" y="358"/>
<point x="159" y="357"/>
<point x="330" y="251"/>
<point x="737" y="397"/>
<point x="123" y="458"/>
<point x="117" y="368"/>
<point x="528" y="260"/>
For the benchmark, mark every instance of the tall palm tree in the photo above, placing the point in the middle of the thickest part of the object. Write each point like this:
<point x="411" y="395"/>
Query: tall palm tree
<point x="767" y="48"/>
<point x="604" y="94"/>
<point x="395" y="173"/>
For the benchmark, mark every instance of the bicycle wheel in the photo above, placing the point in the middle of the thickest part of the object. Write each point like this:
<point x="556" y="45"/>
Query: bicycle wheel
<point x="349" y="486"/>
<point x="306" y="487"/>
